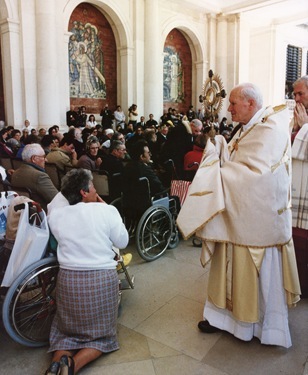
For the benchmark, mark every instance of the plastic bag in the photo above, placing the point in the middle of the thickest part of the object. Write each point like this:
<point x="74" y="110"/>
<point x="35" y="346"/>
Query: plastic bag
<point x="30" y="244"/>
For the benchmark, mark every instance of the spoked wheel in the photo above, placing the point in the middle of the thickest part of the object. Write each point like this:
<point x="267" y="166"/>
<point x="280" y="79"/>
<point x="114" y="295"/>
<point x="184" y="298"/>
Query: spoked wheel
<point x="129" y="221"/>
<point x="117" y="203"/>
<point x="30" y="304"/>
<point x="154" y="233"/>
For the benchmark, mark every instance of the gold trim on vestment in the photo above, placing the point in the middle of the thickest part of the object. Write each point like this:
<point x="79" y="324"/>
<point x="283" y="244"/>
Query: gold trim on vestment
<point x="203" y="224"/>
<point x="237" y="141"/>
<point x="285" y="159"/>
<point x="209" y="164"/>
<point x="238" y="244"/>
<point x="210" y="254"/>
<point x="282" y="210"/>
<point x="278" y="108"/>
<point x="200" y="193"/>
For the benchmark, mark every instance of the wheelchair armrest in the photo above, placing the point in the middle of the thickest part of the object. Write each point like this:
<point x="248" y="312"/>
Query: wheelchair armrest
<point x="161" y="194"/>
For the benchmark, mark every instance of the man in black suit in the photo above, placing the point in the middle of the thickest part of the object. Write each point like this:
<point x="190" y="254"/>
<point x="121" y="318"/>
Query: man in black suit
<point x="71" y="117"/>
<point x="107" y="117"/>
<point x="180" y="140"/>
<point x="140" y="166"/>
<point x="141" y="122"/>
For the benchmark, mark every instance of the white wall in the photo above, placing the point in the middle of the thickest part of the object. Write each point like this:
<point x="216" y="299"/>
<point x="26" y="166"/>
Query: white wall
<point x="229" y="46"/>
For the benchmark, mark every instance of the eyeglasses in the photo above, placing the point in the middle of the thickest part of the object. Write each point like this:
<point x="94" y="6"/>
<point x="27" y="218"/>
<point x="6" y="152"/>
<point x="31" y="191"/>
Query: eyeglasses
<point x="40" y="156"/>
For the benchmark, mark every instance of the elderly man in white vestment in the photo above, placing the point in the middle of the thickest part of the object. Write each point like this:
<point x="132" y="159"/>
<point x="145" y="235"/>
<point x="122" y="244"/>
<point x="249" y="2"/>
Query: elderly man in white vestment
<point x="242" y="212"/>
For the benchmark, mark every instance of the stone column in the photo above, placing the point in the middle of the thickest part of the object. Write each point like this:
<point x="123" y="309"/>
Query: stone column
<point x="125" y="79"/>
<point x="47" y="58"/>
<point x="222" y="61"/>
<point x="10" y="46"/>
<point x="212" y="41"/>
<point x="222" y="50"/>
<point x="153" y="62"/>
<point x="200" y="79"/>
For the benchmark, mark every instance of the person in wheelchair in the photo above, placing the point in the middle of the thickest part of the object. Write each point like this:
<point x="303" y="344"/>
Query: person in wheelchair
<point x="84" y="326"/>
<point x="135" y="199"/>
<point x="140" y="166"/>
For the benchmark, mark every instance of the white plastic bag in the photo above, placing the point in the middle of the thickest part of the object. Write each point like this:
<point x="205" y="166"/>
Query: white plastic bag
<point x="29" y="247"/>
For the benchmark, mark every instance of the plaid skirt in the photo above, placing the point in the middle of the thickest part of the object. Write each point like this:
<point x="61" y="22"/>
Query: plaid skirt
<point x="87" y="309"/>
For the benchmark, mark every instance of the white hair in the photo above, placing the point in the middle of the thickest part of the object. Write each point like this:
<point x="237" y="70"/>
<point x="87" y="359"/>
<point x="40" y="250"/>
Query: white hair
<point x="31" y="150"/>
<point x="250" y="91"/>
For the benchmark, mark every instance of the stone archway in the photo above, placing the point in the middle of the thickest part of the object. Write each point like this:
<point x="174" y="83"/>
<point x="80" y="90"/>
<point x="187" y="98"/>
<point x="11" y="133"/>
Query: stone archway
<point x="191" y="44"/>
<point x="122" y="44"/>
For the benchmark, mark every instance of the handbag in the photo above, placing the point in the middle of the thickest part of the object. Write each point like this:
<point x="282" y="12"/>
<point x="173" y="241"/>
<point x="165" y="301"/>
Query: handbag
<point x="30" y="243"/>
<point x="180" y="189"/>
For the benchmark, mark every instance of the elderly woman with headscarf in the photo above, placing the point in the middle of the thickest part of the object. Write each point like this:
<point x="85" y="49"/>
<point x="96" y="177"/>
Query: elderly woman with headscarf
<point x="90" y="159"/>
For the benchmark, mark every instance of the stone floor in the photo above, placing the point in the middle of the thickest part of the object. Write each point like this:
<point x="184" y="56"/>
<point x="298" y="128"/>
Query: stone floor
<point x="158" y="331"/>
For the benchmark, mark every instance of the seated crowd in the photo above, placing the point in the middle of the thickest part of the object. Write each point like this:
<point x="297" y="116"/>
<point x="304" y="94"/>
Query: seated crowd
<point x="148" y="144"/>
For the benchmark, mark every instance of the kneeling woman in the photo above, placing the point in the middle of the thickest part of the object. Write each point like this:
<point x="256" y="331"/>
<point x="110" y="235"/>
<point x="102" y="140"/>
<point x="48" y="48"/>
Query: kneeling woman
<point x="84" y="326"/>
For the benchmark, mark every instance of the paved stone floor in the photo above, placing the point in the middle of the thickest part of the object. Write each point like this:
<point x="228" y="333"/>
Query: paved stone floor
<point x="158" y="331"/>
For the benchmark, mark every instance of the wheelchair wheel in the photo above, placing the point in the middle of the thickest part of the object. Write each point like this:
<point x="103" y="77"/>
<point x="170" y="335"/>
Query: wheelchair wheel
<point x="29" y="304"/>
<point x="197" y="242"/>
<point x="153" y="233"/>
<point x="174" y="240"/>
<point x="117" y="203"/>
<point x="129" y="222"/>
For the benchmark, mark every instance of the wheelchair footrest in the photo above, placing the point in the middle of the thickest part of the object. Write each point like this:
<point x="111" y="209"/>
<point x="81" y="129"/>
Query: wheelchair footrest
<point x="127" y="285"/>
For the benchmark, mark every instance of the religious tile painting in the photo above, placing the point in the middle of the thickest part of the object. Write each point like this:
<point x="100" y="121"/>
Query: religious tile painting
<point x="173" y="76"/>
<point x="86" y="62"/>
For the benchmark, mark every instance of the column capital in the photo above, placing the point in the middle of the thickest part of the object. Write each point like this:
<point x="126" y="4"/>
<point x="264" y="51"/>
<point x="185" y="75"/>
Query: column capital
<point x="9" y="25"/>
<point x="126" y="51"/>
<point x="211" y="17"/>
<point x="228" y="17"/>
<point x="67" y="36"/>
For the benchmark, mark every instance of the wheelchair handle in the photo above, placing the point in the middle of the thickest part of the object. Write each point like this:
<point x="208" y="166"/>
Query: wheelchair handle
<point x="193" y="164"/>
<point x="22" y="206"/>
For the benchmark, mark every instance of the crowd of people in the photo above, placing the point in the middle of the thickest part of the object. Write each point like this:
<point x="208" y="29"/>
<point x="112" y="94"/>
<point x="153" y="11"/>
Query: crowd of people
<point x="236" y="229"/>
<point x="107" y="147"/>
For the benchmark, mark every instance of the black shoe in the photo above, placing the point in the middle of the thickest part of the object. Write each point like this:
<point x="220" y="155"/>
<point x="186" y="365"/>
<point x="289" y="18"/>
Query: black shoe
<point x="67" y="365"/>
<point x="54" y="369"/>
<point x="205" y="327"/>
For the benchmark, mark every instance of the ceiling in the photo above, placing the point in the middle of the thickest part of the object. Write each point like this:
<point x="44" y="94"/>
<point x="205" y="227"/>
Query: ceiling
<point x="279" y="12"/>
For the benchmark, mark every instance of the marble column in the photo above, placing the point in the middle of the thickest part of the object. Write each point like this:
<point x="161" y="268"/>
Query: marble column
<point x="47" y="63"/>
<point x="11" y="69"/>
<point x="153" y="62"/>
<point x="125" y="79"/>
<point x="211" y="42"/>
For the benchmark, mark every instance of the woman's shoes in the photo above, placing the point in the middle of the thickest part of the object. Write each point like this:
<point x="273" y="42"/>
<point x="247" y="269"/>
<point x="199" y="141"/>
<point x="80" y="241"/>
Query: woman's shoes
<point x="67" y="365"/>
<point x="54" y="369"/>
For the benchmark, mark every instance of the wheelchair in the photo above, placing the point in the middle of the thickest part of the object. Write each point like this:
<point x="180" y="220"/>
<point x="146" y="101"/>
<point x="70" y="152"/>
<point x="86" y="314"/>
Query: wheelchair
<point x="151" y="221"/>
<point x="29" y="302"/>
